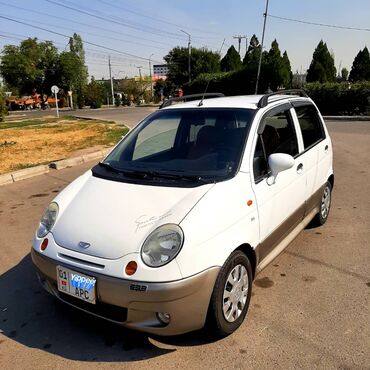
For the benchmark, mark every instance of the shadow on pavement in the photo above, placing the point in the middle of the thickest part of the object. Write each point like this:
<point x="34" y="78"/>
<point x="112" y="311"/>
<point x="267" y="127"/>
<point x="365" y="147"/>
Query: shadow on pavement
<point x="31" y="317"/>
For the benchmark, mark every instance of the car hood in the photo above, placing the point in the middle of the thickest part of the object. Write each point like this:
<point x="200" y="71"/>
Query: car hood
<point x="110" y="219"/>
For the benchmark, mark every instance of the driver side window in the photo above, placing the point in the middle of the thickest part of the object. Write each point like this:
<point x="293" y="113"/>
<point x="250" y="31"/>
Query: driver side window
<point x="278" y="136"/>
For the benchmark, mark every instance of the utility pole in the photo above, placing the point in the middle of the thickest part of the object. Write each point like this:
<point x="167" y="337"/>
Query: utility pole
<point x="223" y="43"/>
<point x="263" y="37"/>
<point x="240" y="37"/>
<point x="141" y="82"/>
<point x="150" y="74"/>
<point x="189" y="53"/>
<point x="111" y="80"/>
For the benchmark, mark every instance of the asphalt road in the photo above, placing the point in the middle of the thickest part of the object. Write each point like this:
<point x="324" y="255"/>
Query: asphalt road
<point x="128" y="116"/>
<point x="310" y="307"/>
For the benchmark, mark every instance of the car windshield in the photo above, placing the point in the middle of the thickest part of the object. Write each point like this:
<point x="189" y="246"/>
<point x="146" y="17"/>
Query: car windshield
<point x="201" y="143"/>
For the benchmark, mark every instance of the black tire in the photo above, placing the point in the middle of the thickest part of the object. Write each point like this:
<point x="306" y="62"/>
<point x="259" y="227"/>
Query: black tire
<point x="216" y="320"/>
<point x="321" y="216"/>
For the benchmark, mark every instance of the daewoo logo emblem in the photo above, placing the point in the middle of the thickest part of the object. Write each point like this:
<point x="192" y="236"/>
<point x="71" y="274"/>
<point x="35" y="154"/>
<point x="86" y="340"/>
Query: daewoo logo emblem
<point x="84" y="245"/>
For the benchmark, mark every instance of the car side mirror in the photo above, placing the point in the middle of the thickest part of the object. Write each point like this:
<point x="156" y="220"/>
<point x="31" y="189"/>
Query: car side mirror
<point x="279" y="162"/>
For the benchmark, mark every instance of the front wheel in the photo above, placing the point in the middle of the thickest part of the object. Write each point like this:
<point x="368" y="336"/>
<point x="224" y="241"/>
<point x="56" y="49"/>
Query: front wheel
<point x="231" y="295"/>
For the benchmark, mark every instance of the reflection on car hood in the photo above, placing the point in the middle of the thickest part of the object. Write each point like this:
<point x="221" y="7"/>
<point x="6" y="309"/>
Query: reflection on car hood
<point x="116" y="217"/>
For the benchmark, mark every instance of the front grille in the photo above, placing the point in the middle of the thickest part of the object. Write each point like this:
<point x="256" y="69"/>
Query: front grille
<point x="77" y="260"/>
<point x="108" y="311"/>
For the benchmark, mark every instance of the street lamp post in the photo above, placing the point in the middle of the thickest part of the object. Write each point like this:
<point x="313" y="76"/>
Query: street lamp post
<point x="189" y="53"/>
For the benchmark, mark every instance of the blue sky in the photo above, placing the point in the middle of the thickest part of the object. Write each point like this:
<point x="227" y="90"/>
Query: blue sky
<point x="145" y="28"/>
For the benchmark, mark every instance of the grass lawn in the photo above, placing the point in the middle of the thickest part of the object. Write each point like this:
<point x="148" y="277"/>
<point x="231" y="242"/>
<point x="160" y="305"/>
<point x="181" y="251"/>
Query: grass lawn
<point x="38" y="141"/>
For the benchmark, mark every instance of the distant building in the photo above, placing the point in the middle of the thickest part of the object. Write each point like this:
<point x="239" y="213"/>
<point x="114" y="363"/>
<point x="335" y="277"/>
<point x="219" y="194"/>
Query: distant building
<point x="160" y="71"/>
<point x="299" y="79"/>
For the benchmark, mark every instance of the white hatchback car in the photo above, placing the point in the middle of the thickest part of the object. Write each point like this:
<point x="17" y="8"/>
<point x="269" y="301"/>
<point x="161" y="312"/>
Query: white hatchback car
<point x="170" y="229"/>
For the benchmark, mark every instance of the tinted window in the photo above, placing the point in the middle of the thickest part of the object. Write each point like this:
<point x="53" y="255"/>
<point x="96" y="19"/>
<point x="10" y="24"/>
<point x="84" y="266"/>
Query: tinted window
<point x="278" y="136"/>
<point x="202" y="142"/>
<point x="157" y="137"/>
<point x="310" y="123"/>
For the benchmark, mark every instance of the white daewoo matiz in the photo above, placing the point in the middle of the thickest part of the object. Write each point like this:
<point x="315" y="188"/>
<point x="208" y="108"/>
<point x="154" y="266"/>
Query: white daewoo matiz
<point x="167" y="233"/>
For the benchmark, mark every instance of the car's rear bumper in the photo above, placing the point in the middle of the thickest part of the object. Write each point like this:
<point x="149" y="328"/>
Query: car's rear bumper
<point x="121" y="301"/>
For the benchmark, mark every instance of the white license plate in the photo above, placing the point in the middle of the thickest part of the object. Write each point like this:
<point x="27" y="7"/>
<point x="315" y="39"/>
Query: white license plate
<point x="76" y="284"/>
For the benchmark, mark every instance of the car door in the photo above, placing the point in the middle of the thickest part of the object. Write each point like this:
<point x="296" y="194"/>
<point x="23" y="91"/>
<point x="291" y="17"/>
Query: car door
<point x="281" y="205"/>
<point x="316" y="150"/>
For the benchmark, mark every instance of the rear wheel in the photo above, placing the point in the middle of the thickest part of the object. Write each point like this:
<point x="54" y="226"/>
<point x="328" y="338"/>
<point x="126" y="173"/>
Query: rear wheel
<point x="325" y="204"/>
<point x="231" y="295"/>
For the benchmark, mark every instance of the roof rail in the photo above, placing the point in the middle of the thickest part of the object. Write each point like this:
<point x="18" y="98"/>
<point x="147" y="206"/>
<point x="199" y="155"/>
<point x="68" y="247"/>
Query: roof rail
<point x="185" y="98"/>
<point x="264" y="100"/>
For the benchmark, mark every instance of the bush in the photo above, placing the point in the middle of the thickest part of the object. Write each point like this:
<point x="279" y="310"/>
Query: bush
<point x="331" y="98"/>
<point x="117" y="101"/>
<point x="341" y="98"/>
<point x="94" y="95"/>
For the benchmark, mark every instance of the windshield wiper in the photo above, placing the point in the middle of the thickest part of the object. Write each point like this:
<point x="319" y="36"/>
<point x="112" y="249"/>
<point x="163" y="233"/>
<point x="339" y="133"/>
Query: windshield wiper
<point x="171" y="176"/>
<point x="109" y="167"/>
<point x="150" y="175"/>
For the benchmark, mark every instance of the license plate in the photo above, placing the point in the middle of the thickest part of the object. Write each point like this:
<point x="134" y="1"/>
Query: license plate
<point x="76" y="284"/>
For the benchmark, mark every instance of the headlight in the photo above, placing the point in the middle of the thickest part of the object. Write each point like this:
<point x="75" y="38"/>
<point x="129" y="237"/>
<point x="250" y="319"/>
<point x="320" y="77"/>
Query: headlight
<point x="48" y="220"/>
<point x="162" y="245"/>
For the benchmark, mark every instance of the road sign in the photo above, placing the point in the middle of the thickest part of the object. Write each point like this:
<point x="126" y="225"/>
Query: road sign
<point x="55" y="89"/>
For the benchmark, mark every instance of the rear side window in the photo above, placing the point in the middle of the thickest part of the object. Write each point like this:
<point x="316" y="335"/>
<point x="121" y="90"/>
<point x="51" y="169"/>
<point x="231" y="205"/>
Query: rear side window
<point x="311" y="126"/>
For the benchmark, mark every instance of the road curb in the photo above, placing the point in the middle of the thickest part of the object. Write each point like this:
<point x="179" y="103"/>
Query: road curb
<point x="70" y="162"/>
<point x="346" y="118"/>
<point x="26" y="173"/>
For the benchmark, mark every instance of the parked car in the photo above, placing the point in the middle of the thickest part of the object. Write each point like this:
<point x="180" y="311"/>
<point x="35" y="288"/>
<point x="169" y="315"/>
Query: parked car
<point x="167" y="233"/>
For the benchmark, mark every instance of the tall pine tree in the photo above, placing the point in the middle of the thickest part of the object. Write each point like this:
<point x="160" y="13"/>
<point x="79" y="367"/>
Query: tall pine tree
<point x="361" y="66"/>
<point x="322" y="68"/>
<point x="231" y="61"/>
<point x="252" y="55"/>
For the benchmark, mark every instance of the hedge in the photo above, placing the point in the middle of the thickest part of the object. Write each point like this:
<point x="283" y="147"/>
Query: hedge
<point x="332" y="98"/>
<point x="341" y="98"/>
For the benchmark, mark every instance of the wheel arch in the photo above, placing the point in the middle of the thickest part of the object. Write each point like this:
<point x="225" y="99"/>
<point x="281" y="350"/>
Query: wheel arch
<point x="251" y="254"/>
<point x="331" y="180"/>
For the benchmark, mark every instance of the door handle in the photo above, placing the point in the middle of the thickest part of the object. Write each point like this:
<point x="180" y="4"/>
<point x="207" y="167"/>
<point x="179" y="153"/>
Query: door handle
<point x="300" y="168"/>
<point x="326" y="148"/>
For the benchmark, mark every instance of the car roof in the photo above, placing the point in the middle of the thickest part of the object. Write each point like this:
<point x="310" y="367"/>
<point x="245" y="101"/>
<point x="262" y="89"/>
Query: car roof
<point x="241" y="101"/>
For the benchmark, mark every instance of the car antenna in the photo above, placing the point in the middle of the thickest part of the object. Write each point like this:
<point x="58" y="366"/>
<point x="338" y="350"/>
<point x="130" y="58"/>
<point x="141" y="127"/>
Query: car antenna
<point x="201" y="101"/>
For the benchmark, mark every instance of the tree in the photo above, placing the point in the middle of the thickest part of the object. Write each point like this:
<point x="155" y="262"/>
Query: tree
<point x="201" y="61"/>
<point x="360" y="70"/>
<point x="3" y="109"/>
<point x="231" y="61"/>
<point x="286" y="71"/>
<point x="79" y="83"/>
<point x="31" y="65"/>
<point x="94" y="93"/>
<point x="322" y="68"/>
<point x="344" y="74"/>
<point x="252" y="54"/>
<point x="275" y="69"/>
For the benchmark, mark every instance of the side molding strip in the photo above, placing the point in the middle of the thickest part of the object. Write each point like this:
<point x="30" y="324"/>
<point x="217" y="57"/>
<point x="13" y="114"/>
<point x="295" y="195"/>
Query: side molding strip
<point x="286" y="241"/>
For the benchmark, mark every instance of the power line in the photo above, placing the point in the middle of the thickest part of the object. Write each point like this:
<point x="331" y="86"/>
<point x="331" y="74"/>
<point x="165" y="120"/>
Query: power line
<point x="63" y="35"/>
<point x="157" y="19"/>
<point x="86" y="25"/>
<point x="121" y="23"/>
<point x="91" y="34"/>
<point x="117" y="20"/>
<point x="319" y="24"/>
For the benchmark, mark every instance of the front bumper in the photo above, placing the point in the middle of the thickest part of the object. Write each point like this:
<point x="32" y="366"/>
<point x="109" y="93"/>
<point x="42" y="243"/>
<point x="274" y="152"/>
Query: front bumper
<point x="121" y="301"/>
